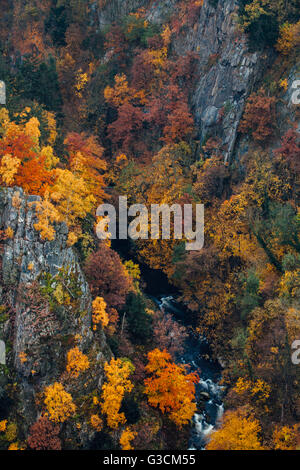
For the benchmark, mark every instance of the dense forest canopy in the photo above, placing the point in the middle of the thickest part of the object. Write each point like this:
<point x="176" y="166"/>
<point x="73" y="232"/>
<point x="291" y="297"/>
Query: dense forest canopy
<point x="100" y="102"/>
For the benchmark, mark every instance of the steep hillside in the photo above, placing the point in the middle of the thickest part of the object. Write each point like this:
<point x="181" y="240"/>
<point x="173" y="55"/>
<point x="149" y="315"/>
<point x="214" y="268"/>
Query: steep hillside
<point x="165" y="102"/>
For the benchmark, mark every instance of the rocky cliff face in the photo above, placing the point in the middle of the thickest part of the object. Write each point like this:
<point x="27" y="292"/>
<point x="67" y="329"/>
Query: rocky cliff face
<point x="116" y="9"/>
<point x="38" y="337"/>
<point x="226" y="70"/>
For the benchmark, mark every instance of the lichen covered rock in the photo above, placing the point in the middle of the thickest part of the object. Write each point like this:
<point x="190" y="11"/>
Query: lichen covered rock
<point x="49" y="305"/>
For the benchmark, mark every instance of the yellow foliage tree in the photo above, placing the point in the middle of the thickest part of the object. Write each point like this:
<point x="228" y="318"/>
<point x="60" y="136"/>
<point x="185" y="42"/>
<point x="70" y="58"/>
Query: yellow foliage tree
<point x="68" y="201"/>
<point x="126" y="437"/>
<point x="120" y="93"/>
<point x="3" y="425"/>
<point x="59" y="403"/>
<point x="117" y="373"/>
<point x="77" y="362"/>
<point x="96" y="422"/>
<point x="259" y="390"/>
<point x="99" y="313"/>
<point x="32" y="129"/>
<point x="9" y="168"/>
<point x="71" y="197"/>
<point x="239" y="431"/>
<point x="289" y="38"/>
<point x="286" y="437"/>
<point x="50" y="117"/>
<point x="47" y="214"/>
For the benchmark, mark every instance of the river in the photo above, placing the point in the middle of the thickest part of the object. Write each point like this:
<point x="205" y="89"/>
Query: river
<point x="196" y="354"/>
<point x="208" y="390"/>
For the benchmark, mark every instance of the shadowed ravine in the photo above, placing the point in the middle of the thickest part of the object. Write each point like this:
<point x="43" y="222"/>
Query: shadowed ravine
<point x="196" y="354"/>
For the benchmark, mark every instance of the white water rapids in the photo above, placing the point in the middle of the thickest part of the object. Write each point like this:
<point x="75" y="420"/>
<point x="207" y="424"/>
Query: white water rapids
<point x="208" y="388"/>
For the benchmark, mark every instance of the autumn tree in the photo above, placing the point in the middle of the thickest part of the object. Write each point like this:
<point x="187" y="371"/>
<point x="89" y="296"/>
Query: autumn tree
<point x="85" y="160"/>
<point x="47" y="216"/>
<point x="290" y="149"/>
<point x="268" y="350"/>
<point x="169" y="335"/>
<point x="259" y="117"/>
<point x="44" y="435"/>
<point x="126" y="129"/>
<point x="126" y="437"/>
<point x="77" y="362"/>
<point x="59" y="403"/>
<point x="23" y="161"/>
<point x="121" y="93"/>
<point x="254" y="392"/>
<point x="96" y="423"/>
<point x="211" y="179"/>
<point x="286" y="437"/>
<point x="99" y="313"/>
<point x="179" y="124"/>
<point x="239" y="431"/>
<point x="170" y="388"/>
<point x="71" y="196"/>
<point x="117" y="373"/>
<point x="106" y="276"/>
<point x="289" y="38"/>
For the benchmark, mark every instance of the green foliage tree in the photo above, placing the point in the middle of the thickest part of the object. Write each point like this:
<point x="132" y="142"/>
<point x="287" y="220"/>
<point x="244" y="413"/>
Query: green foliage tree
<point x="138" y="320"/>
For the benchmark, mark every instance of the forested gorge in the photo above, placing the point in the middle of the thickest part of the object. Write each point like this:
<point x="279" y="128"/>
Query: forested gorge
<point x="100" y="103"/>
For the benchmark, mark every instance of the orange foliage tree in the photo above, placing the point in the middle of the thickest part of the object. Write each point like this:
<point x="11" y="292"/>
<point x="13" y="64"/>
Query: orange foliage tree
<point x="23" y="161"/>
<point x="170" y="388"/>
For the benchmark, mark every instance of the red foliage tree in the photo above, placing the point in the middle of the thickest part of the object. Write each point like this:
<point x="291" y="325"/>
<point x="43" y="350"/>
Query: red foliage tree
<point x="259" y="117"/>
<point x="142" y="71"/>
<point x="116" y="42"/>
<point x="290" y="149"/>
<point x="125" y="130"/>
<point x="44" y="435"/>
<point x="180" y="123"/>
<point x="107" y="277"/>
